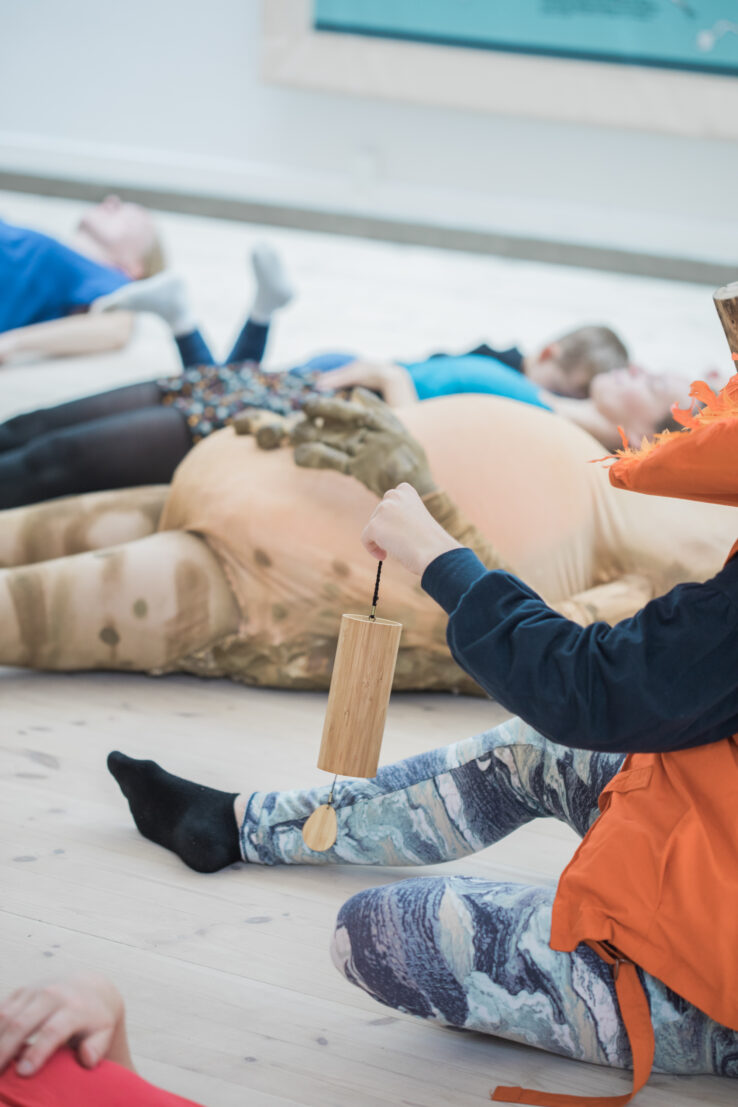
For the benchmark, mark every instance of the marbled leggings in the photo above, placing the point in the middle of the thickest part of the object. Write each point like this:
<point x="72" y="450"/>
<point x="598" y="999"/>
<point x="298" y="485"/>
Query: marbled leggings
<point x="467" y="952"/>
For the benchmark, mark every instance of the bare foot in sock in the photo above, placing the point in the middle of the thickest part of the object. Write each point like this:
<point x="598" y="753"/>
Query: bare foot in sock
<point x="193" y="821"/>
<point x="164" y="295"/>
<point x="273" y="287"/>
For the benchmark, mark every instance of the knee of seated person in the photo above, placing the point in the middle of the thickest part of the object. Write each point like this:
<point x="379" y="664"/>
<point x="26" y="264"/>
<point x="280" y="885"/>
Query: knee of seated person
<point x="378" y="921"/>
<point x="388" y="915"/>
<point x="384" y="942"/>
<point x="355" y="930"/>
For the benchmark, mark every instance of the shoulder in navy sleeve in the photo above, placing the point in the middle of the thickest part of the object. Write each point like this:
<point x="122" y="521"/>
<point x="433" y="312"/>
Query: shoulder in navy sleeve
<point x="665" y="679"/>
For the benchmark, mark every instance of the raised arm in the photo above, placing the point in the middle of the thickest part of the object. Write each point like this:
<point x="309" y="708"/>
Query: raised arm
<point x="663" y="679"/>
<point x="75" y="334"/>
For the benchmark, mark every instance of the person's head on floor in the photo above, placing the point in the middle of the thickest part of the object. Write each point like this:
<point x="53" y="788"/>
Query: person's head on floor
<point x="569" y="364"/>
<point x="638" y="401"/>
<point x="122" y="234"/>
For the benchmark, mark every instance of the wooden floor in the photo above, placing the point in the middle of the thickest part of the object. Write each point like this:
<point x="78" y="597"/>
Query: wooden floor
<point x="231" y="995"/>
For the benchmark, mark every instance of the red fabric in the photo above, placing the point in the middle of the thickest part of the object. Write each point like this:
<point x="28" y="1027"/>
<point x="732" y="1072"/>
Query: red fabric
<point x="63" y="1082"/>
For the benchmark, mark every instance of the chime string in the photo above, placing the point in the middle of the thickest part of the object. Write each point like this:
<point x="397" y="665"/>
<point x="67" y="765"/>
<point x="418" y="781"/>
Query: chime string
<point x="375" y="597"/>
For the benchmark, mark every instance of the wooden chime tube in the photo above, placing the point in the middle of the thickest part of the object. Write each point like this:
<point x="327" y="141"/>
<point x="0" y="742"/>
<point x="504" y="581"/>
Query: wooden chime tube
<point x="359" y="695"/>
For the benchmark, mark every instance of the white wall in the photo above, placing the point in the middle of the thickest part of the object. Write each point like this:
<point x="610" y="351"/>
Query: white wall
<point x="167" y="93"/>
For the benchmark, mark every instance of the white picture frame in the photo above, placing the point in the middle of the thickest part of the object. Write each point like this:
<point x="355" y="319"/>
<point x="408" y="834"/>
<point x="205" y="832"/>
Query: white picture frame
<point x="634" y="97"/>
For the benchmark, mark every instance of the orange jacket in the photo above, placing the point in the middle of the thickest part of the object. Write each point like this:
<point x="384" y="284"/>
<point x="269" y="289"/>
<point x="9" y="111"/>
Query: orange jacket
<point x="655" y="881"/>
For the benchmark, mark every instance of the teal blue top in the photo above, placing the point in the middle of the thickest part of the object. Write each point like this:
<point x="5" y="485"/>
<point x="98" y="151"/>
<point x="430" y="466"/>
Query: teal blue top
<point x="447" y="376"/>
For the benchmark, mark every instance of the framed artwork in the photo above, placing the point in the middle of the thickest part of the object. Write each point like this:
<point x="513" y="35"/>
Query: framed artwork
<point x="699" y="35"/>
<point x="652" y="65"/>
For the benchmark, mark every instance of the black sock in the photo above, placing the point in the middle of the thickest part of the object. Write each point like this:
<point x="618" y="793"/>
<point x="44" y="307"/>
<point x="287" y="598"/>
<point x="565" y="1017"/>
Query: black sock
<point x="195" y="822"/>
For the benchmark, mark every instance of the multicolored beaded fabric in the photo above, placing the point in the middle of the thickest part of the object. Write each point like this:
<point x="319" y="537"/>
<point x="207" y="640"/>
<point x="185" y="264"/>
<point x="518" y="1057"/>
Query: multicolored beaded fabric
<point x="211" y="396"/>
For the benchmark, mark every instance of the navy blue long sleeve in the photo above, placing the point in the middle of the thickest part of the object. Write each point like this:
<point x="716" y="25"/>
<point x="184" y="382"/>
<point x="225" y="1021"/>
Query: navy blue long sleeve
<point x="665" y="679"/>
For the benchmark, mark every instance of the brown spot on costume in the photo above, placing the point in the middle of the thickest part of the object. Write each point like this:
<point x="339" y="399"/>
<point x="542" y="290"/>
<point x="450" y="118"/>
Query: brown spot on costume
<point x="110" y="636"/>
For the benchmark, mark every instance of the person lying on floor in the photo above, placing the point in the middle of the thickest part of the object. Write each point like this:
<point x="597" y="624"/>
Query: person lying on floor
<point x="138" y="434"/>
<point x="47" y="287"/>
<point x="243" y="567"/>
<point x="565" y="365"/>
<point x="64" y="1043"/>
<point x="495" y="957"/>
<point x="617" y="394"/>
<point x="583" y="375"/>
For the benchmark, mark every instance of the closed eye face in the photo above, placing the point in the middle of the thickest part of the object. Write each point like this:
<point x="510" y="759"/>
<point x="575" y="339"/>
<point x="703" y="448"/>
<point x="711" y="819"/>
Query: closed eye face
<point x="632" y="397"/>
<point x="125" y="231"/>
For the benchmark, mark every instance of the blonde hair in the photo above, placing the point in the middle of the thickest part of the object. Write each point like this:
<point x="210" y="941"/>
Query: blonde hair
<point x="595" y="349"/>
<point x="154" y="260"/>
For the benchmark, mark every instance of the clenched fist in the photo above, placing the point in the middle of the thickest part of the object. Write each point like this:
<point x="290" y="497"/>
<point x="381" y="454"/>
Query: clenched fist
<point x="401" y="527"/>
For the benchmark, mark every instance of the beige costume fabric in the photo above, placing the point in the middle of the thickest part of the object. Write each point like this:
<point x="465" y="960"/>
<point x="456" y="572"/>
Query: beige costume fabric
<point x="288" y="538"/>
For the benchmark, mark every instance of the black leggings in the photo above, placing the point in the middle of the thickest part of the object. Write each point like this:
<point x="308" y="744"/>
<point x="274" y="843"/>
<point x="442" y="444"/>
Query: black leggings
<point x="116" y="439"/>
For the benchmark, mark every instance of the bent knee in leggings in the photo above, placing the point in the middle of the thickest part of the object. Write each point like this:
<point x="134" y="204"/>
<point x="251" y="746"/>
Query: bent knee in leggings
<point x="475" y="955"/>
<point x="390" y="942"/>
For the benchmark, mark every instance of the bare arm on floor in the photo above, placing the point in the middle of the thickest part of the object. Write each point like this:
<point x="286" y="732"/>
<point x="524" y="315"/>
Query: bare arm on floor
<point x="73" y="335"/>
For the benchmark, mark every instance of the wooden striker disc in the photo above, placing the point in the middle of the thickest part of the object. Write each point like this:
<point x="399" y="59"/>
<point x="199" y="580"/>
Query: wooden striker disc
<point x="321" y="829"/>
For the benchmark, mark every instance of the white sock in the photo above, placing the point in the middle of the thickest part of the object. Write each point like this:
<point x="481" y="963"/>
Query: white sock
<point x="165" y="295"/>
<point x="273" y="287"/>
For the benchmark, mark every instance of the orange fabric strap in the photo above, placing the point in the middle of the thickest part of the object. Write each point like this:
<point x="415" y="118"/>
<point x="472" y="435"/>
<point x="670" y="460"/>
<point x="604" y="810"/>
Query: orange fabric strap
<point x="637" y="1020"/>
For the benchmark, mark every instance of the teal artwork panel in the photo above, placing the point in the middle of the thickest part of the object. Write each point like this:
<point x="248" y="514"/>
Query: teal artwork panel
<point x="681" y="34"/>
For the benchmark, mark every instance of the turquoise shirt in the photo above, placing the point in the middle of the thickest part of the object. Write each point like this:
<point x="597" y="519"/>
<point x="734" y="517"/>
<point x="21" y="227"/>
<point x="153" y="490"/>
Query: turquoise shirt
<point x="447" y="376"/>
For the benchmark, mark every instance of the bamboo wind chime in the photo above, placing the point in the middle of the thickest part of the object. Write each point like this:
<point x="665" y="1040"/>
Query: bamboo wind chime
<point x="357" y="708"/>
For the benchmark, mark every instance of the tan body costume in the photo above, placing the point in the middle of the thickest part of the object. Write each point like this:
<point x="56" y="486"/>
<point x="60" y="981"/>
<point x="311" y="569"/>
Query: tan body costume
<point x="272" y="557"/>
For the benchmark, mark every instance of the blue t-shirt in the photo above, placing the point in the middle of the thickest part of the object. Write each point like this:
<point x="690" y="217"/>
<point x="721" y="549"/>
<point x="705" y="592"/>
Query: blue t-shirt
<point x="447" y="376"/>
<point x="41" y="279"/>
